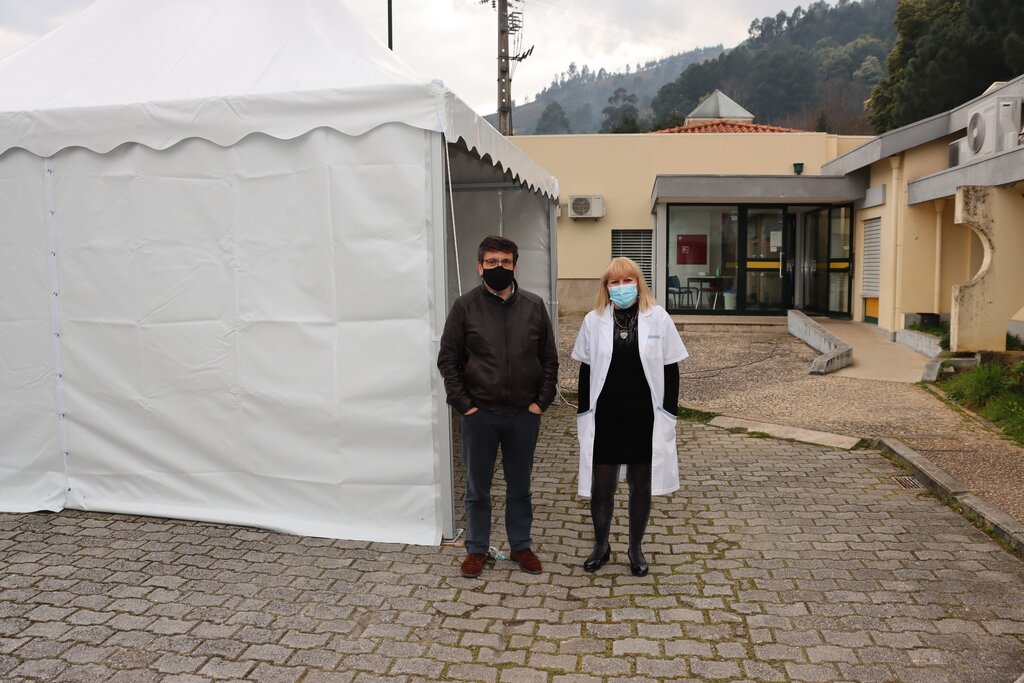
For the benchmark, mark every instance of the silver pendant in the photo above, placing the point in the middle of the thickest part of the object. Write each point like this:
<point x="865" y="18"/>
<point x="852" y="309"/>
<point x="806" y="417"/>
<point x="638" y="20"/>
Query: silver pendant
<point x="623" y="334"/>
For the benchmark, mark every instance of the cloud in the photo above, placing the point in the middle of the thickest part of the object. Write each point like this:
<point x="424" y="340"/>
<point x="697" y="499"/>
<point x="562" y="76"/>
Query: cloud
<point x="11" y="41"/>
<point x="456" y="40"/>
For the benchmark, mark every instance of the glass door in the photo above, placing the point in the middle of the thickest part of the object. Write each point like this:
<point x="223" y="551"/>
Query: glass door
<point x="814" y="261"/>
<point x="769" y="260"/>
<point x="840" y="260"/>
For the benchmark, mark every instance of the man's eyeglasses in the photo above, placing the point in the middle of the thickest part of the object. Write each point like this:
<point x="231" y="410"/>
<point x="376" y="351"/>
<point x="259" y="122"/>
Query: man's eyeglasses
<point x="495" y="262"/>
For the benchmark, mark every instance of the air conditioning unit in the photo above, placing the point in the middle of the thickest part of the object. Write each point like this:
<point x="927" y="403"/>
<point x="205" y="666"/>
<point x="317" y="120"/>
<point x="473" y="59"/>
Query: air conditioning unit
<point x="993" y="126"/>
<point x="586" y="206"/>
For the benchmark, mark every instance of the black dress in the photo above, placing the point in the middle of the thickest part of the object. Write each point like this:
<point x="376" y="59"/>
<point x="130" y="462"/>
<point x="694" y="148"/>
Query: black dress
<point x="624" y="417"/>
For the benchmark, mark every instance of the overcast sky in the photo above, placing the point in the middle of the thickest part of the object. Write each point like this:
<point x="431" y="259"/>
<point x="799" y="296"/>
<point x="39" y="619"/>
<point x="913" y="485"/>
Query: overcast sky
<point x="456" y="40"/>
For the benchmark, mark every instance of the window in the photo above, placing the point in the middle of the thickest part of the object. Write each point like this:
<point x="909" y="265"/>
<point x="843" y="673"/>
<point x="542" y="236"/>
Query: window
<point x="637" y="245"/>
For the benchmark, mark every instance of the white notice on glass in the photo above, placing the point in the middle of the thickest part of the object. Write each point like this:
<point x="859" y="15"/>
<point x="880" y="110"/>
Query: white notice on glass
<point x="775" y="239"/>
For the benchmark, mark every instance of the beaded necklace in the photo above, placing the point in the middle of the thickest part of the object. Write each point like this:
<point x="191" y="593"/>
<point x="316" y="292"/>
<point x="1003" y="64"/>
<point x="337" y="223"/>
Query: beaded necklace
<point x="626" y="325"/>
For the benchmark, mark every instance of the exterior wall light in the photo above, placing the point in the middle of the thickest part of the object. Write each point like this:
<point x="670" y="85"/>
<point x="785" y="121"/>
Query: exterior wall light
<point x="798" y="167"/>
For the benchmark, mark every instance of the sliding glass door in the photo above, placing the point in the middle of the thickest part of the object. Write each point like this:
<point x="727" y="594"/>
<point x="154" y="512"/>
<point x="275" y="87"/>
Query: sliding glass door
<point x="768" y="263"/>
<point x="751" y="259"/>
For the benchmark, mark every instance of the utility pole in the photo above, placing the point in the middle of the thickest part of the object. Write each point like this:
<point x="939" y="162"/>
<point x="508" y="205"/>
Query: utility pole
<point x="509" y="23"/>
<point x="504" y="74"/>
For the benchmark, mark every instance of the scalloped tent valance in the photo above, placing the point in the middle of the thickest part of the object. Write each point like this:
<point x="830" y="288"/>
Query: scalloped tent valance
<point x="156" y="73"/>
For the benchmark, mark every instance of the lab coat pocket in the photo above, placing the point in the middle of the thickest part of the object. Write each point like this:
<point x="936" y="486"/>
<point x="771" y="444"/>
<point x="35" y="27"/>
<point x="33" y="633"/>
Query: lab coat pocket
<point x="655" y="351"/>
<point x="664" y="432"/>
<point x="664" y="461"/>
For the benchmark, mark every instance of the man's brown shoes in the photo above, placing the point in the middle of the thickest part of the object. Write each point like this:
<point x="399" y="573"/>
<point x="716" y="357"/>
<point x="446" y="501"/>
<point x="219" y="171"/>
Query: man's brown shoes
<point x="473" y="565"/>
<point x="527" y="561"/>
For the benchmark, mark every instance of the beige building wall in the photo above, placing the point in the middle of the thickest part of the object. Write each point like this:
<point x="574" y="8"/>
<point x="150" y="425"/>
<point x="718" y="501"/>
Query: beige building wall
<point x="914" y="257"/>
<point x="622" y="169"/>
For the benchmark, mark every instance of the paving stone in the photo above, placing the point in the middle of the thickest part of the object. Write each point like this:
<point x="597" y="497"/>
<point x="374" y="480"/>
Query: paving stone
<point x="472" y="672"/>
<point x="85" y="673"/>
<point x="224" y="669"/>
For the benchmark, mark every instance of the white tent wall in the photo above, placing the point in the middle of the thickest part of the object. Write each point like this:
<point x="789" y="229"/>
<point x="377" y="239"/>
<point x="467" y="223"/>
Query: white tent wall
<point x="225" y="352"/>
<point x="31" y="460"/>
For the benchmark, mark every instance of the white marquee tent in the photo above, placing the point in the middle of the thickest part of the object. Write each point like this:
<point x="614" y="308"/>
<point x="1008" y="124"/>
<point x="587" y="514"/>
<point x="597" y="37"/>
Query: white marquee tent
<point x="228" y="245"/>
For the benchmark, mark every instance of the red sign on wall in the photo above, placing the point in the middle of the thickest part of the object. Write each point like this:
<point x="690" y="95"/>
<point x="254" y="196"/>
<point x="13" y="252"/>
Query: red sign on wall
<point x="692" y="250"/>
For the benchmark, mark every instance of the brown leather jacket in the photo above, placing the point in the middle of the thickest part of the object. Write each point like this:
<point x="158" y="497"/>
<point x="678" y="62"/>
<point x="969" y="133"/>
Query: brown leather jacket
<point x="499" y="356"/>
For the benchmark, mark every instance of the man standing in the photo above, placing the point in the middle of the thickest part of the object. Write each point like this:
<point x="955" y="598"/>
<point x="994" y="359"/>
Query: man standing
<point x="500" y="367"/>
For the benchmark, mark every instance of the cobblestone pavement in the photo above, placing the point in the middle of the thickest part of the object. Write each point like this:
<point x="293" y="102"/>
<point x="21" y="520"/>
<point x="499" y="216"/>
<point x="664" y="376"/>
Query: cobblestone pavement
<point x="762" y="374"/>
<point x="776" y="561"/>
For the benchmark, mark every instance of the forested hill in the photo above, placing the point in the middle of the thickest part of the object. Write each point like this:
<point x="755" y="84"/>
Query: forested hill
<point x="583" y="93"/>
<point x="810" y="69"/>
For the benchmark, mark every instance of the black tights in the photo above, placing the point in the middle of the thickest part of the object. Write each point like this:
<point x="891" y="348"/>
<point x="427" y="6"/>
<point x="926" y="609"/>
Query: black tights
<point x="602" y="502"/>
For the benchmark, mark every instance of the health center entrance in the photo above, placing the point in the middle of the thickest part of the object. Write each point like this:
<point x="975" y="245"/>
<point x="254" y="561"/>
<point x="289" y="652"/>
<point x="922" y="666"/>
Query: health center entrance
<point x="759" y="259"/>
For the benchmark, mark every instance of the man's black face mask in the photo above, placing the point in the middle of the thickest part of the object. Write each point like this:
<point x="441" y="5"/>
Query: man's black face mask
<point x="498" y="278"/>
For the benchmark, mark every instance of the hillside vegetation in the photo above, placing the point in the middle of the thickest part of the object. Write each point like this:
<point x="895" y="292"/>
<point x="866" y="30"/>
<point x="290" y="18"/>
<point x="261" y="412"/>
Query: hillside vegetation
<point x="811" y="69"/>
<point x="582" y="93"/>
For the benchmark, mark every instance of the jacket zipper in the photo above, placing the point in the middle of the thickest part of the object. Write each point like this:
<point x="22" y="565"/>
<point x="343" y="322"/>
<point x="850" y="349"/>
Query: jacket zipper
<point x="508" y="355"/>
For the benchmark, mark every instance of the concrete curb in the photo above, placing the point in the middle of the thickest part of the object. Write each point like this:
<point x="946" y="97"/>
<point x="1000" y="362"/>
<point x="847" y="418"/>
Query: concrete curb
<point x="836" y="353"/>
<point x="995" y="521"/>
<point x="787" y="432"/>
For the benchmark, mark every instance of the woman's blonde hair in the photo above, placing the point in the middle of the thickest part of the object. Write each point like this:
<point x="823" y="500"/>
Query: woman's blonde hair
<point x="621" y="267"/>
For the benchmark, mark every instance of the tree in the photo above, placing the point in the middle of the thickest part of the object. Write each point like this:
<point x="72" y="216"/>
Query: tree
<point x="946" y="53"/>
<point x="553" y="120"/>
<point x="821" y="125"/>
<point x="621" y="114"/>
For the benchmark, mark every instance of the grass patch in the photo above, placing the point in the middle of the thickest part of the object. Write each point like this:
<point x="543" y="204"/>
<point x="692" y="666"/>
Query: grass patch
<point x="996" y="392"/>
<point x="759" y="435"/>
<point x="694" y="415"/>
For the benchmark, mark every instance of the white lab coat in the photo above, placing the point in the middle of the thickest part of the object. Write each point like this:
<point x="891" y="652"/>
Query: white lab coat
<point x="660" y="345"/>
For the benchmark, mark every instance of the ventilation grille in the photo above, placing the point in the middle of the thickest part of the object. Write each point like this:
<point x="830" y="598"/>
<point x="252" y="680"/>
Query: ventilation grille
<point x="637" y="245"/>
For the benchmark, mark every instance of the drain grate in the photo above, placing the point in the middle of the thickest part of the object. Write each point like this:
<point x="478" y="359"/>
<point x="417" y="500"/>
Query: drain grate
<point x="908" y="482"/>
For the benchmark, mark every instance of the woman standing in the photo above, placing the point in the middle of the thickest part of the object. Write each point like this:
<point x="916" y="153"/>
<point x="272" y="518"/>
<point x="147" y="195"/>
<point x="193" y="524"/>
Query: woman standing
<point x="628" y="393"/>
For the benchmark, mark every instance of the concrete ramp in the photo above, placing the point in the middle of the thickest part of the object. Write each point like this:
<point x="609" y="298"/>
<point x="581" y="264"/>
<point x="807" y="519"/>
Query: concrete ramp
<point x="874" y="356"/>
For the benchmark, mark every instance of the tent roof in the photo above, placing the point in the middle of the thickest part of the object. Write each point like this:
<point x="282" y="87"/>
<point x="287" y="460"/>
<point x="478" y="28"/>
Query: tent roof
<point x="157" y="72"/>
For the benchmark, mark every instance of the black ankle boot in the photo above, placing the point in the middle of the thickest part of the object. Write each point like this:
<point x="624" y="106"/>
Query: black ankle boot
<point x="597" y="559"/>
<point x="637" y="562"/>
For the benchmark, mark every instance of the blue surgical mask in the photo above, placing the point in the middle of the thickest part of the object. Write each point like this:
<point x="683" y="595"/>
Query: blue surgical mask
<point x="623" y="296"/>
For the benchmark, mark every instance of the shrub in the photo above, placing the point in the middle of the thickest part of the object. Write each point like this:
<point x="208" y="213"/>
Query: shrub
<point x="1015" y="377"/>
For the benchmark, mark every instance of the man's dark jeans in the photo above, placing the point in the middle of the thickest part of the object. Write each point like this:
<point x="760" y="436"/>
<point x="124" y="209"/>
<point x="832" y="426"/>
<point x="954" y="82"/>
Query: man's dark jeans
<point x="482" y="433"/>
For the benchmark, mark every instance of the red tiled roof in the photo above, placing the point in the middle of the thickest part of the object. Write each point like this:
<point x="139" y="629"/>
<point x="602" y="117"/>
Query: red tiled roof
<point x="728" y="127"/>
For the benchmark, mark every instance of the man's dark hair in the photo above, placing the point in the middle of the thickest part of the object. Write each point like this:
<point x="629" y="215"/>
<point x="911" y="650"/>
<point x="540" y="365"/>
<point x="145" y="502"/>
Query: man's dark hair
<point x="496" y="243"/>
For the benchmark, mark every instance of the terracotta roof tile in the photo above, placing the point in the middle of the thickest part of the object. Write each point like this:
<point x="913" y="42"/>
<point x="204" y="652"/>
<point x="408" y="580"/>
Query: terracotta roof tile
<point x="728" y="127"/>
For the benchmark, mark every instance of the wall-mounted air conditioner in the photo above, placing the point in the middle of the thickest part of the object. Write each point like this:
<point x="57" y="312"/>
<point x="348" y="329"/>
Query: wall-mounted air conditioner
<point x="993" y="126"/>
<point x="586" y="206"/>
